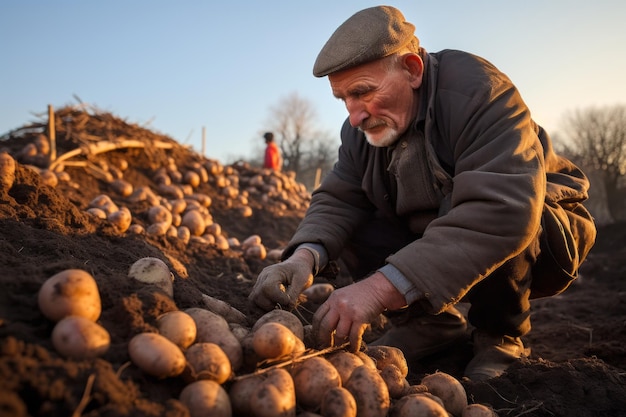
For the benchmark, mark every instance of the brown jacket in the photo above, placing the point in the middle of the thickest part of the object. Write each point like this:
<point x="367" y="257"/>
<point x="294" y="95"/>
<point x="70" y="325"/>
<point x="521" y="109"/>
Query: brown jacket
<point x="469" y="177"/>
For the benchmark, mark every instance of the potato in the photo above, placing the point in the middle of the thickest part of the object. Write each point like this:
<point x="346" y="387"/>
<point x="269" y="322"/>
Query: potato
<point x="159" y="214"/>
<point x="120" y="219"/>
<point x="275" y="396"/>
<point x="121" y="187"/>
<point x="194" y="221"/>
<point x="367" y="359"/>
<point x="7" y="171"/>
<point x="369" y="391"/>
<point x="273" y="340"/>
<point x="208" y="361"/>
<point x="206" y="398"/>
<point x="318" y="292"/>
<point x="338" y="402"/>
<point x="240" y="393"/>
<point x="345" y="362"/>
<point x="214" y="328"/>
<point x="478" y="410"/>
<point x="156" y="355"/>
<point x="240" y="331"/>
<point x="449" y="389"/>
<point x="312" y="378"/>
<point x="415" y="389"/>
<point x="384" y="355"/>
<point x="417" y="405"/>
<point x="255" y="252"/>
<point x="250" y="241"/>
<point x="230" y="313"/>
<point x="72" y="292"/>
<point x="396" y="383"/>
<point x="283" y="317"/>
<point x="153" y="271"/>
<point x="250" y="358"/>
<point x="177" y="326"/>
<point x="80" y="338"/>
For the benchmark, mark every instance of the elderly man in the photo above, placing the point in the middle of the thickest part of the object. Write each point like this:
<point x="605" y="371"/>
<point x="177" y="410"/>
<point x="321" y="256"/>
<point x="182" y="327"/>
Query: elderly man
<point x="440" y="195"/>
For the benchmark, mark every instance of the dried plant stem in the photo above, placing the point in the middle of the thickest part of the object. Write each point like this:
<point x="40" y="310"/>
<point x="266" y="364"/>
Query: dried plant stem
<point x="86" y="396"/>
<point x="288" y="362"/>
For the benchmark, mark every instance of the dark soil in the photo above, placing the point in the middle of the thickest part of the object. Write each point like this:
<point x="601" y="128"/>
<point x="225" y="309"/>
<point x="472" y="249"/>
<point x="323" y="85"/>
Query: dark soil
<point x="577" y="366"/>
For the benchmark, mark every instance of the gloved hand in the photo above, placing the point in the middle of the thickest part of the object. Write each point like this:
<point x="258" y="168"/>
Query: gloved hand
<point x="347" y="312"/>
<point x="283" y="283"/>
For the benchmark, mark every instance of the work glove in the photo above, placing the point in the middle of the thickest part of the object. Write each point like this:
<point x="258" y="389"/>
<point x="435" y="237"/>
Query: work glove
<point x="283" y="283"/>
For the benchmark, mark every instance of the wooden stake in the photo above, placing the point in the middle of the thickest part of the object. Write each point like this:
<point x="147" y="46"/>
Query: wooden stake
<point x="318" y="175"/>
<point x="52" y="135"/>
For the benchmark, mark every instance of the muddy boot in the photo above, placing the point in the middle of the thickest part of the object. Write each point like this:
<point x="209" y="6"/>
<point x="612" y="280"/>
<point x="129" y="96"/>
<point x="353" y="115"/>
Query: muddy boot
<point x="419" y="335"/>
<point x="493" y="355"/>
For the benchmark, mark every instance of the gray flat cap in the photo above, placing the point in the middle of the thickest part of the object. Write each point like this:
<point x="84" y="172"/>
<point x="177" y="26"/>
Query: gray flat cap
<point x="368" y="35"/>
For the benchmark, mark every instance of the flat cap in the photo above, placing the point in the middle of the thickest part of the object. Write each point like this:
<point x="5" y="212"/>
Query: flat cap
<point x="368" y="35"/>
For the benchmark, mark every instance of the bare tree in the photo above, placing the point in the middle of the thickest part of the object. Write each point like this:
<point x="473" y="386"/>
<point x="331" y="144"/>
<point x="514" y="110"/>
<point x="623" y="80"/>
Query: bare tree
<point x="304" y="147"/>
<point x="597" y="140"/>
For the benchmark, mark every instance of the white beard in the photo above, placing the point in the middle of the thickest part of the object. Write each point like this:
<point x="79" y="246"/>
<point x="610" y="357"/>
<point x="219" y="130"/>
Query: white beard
<point x="389" y="137"/>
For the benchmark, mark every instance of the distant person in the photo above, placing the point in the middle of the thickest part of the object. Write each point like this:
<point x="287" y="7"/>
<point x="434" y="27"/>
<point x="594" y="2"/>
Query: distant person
<point x="445" y="191"/>
<point x="273" y="159"/>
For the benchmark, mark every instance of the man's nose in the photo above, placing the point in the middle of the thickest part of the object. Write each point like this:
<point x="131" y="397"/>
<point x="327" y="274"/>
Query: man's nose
<point x="357" y="112"/>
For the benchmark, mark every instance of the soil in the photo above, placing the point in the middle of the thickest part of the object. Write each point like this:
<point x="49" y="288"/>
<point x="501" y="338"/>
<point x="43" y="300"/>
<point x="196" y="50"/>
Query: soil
<point x="577" y="365"/>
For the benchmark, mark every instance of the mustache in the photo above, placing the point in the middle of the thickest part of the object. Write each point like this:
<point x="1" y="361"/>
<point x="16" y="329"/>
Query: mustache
<point x="371" y="124"/>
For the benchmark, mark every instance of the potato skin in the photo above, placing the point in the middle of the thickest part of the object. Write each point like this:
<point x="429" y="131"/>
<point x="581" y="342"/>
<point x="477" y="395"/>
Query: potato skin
<point x="273" y="340"/>
<point x="312" y="378"/>
<point x="156" y="355"/>
<point x="275" y="396"/>
<point x="208" y="361"/>
<point x="449" y="389"/>
<point x="417" y="405"/>
<point x="478" y="410"/>
<point x="206" y="398"/>
<point x="77" y="337"/>
<point x="283" y="317"/>
<point x="384" y="355"/>
<point x="369" y="391"/>
<point x="345" y="362"/>
<point x="214" y="328"/>
<point x="338" y="402"/>
<point x="177" y="326"/>
<point x="72" y="292"/>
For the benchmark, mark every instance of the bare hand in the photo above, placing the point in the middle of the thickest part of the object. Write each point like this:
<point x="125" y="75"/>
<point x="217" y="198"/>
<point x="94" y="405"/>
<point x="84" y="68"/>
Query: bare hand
<point x="283" y="283"/>
<point x="347" y="312"/>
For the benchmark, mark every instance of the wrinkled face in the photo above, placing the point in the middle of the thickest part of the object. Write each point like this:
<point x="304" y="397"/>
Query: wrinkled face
<point x="381" y="101"/>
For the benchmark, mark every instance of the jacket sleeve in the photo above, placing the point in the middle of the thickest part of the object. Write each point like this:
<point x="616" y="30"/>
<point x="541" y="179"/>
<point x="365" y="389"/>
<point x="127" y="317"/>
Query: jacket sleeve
<point x="499" y="183"/>
<point x="339" y="205"/>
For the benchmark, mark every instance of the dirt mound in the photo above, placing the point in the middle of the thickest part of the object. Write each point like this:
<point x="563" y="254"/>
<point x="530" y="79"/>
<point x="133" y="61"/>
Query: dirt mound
<point x="51" y="219"/>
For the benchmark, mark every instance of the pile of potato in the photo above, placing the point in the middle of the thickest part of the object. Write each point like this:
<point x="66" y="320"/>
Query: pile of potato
<point x="268" y="369"/>
<point x="177" y="208"/>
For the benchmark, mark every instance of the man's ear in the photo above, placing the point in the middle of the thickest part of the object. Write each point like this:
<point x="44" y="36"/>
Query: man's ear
<point x="414" y="65"/>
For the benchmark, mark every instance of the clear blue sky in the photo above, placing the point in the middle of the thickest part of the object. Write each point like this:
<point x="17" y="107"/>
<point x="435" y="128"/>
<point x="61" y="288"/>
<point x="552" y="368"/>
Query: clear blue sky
<point x="184" y="65"/>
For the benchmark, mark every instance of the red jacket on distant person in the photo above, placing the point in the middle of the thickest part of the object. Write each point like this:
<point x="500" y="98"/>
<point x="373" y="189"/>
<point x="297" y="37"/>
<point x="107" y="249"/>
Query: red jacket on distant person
<point x="273" y="159"/>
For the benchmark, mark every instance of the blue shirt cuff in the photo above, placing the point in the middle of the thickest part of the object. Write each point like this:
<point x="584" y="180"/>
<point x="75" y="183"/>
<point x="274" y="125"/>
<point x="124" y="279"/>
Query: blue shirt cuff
<point x="320" y="256"/>
<point x="402" y="284"/>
